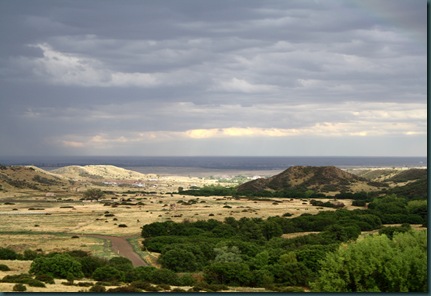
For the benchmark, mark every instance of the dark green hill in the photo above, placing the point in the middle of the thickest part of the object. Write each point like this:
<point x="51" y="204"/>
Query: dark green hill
<point x="318" y="179"/>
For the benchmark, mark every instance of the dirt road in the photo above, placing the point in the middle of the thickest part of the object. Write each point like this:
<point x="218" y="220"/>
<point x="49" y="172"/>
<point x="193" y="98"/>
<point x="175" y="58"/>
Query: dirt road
<point x="122" y="247"/>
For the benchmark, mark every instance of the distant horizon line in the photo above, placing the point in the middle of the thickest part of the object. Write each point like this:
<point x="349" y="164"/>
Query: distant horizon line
<point x="340" y="156"/>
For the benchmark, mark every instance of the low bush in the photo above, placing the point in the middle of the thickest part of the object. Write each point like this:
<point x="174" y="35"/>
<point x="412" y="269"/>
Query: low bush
<point x="8" y="254"/>
<point x="45" y="278"/>
<point x="19" y="288"/>
<point x="4" y="267"/>
<point x="17" y="278"/>
<point x="141" y="285"/>
<point x="97" y="289"/>
<point x="108" y="273"/>
<point x="164" y="287"/>
<point x="35" y="283"/>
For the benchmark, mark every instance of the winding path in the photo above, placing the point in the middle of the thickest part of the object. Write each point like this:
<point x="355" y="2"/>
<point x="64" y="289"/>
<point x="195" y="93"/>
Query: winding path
<point x="122" y="247"/>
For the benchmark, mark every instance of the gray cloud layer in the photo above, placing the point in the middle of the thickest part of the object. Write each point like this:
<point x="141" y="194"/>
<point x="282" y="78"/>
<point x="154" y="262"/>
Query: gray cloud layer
<point x="213" y="77"/>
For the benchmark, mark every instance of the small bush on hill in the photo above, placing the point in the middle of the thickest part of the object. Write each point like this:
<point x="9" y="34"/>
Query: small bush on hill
<point x="4" y="267"/>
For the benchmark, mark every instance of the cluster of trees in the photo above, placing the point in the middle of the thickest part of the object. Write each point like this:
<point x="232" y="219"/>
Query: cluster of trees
<point x="251" y="252"/>
<point x="218" y="190"/>
<point x="78" y="264"/>
<point x="377" y="264"/>
<point x="209" y="190"/>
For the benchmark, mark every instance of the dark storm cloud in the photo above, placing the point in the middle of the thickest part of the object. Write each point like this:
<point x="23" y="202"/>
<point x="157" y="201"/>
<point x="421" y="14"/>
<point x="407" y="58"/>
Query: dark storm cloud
<point x="120" y="75"/>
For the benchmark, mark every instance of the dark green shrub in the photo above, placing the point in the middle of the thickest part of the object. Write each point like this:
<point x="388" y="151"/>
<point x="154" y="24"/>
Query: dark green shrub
<point x="45" y="278"/>
<point x="90" y="264"/>
<point x="58" y="265"/>
<point x="30" y="254"/>
<point x="179" y="260"/>
<point x="164" y="287"/>
<point x="8" y="254"/>
<point x="108" y="273"/>
<point x="97" y="289"/>
<point x="121" y="263"/>
<point x="140" y="273"/>
<point x="141" y="285"/>
<point x="17" y="278"/>
<point x="4" y="267"/>
<point x="19" y="288"/>
<point x="391" y="230"/>
<point x="186" y="280"/>
<point x="35" y="283"/>
<point x="359" y="203"/>
<point x="164" y="276"/>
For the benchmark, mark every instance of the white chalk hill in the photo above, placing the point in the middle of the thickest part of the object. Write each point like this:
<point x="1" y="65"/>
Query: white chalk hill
<point x="101" y="172"/>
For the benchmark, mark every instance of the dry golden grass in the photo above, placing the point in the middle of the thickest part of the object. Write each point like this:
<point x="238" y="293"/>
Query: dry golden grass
<point x="55" y="243"/>
<point x="25" y="229"/>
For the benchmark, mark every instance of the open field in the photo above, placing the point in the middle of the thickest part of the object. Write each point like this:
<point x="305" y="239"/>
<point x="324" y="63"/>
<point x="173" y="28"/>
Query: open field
<point x="96" y="218"/>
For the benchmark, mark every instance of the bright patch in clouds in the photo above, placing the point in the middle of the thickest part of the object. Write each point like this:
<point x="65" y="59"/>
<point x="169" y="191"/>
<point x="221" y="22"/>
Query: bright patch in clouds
<point x="242" y="85"/>
<point x="323" y="129"/>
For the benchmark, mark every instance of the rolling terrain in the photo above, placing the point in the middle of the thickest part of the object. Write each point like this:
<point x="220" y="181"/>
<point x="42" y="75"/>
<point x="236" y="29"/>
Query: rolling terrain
<point x="325" y="179"/>
<point x="44" y="209"/>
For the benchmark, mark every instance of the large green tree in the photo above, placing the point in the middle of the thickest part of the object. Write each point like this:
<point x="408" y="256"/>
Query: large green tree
<point x="59" y="266"/>
<point x="376" y="264"/>
<point x="179" y="260"/>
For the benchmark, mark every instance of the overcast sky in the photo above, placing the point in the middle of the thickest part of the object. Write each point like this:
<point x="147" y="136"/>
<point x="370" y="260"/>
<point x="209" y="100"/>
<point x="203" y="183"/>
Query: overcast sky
<point x="204" y="77"/>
